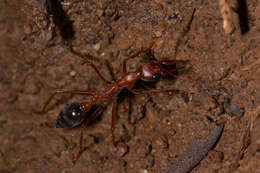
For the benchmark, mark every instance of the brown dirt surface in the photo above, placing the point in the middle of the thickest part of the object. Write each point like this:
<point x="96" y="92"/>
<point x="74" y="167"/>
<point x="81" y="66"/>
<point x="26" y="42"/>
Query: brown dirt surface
<point x="220" y="81"/>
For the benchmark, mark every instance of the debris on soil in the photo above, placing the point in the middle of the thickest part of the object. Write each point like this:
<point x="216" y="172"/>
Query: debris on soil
<point x="161" y="142"/>
<point x="185" y="97"/>
<point x="173" y="16"/>
<point x="73" y="73"/>
<point x="197" y="150"/>
<point x="96" y="47"/>
<point x="231" y="109"/>
<point x="226" y="12"/>
<point x="121" y="150"/>
<point x="247" y="137"/>
<point x="245" y="141"/>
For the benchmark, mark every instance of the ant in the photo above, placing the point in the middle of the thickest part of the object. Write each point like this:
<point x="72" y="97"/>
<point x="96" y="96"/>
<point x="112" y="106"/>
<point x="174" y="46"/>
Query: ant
<point x="75" y="113"/>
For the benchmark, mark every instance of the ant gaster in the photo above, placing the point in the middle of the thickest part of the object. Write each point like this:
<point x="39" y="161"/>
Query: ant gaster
<point x="74" y="113"/>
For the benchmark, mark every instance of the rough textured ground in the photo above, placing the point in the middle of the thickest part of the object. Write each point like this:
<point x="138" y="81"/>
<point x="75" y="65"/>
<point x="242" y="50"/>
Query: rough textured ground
<point x="221" y="81"/>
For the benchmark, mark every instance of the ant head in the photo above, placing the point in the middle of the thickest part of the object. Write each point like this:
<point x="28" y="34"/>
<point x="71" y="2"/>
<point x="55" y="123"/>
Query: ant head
<point x="153" y="70"/>
<point x="70" y="116"/>
<point x="150" y="71"/>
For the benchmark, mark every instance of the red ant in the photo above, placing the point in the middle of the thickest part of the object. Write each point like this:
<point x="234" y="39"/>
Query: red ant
<point x="74" y="113"/>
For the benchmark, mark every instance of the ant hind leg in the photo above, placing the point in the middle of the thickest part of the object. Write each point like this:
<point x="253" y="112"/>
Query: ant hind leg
<point x="80" y="92"/>
<point x="97" y="112"/>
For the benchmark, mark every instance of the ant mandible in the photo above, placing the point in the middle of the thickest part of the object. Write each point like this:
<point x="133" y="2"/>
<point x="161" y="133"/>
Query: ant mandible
<point x="75" y="113"/>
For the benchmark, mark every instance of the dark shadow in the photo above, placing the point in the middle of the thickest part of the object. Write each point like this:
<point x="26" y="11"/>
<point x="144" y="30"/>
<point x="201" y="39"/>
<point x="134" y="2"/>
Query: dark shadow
<point x="242" y="11"/>
<point x="125" y="93"/>
<point x="61" y="19"/>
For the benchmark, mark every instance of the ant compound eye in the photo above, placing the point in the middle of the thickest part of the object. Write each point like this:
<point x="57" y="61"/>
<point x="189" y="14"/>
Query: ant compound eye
<point x="70" y="116"/>
<point x="156" y="76"/>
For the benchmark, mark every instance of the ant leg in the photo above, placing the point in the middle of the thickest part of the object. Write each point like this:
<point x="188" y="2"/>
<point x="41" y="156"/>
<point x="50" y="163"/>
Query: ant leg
<point x="169" y="71"/>
<point x="113" y="119"/>
<point x="88" y="62"/>
<point x="80" y="92"/>
<point x="172" y="62"/>
<point x="85" y="123"/>
<point x="135" y="55"/>
<point x="131" y="57"/>
<point x="137" y="91"/>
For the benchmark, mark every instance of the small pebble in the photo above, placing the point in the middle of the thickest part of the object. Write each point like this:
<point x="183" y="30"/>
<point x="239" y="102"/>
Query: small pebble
<point x="27" y="29"/>
<point x="97" y="46"/>
<point x="103" y="54"/>
<point x="167" y="121"/>
<point x="65" y="3"/>
<point x="122" y="150"/>
<point x="158" y="33"/>
<point x="143" y="171"/>
<point x="173" y="16"/>
<point x="73" y="73"/>
<point x="159" y="44"/>
<point x="99" y="12"/>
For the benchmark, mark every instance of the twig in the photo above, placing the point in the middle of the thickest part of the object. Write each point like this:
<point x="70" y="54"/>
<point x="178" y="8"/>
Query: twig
<point x="225" y="10"/>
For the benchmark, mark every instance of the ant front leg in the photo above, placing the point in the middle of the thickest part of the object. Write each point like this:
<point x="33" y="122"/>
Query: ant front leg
<point x="136" y="55"/>
<point x="80" y="92"/>
<point x="171" y="67"/>
<point x="88" y="62"/>
<point x="170" y="71"/>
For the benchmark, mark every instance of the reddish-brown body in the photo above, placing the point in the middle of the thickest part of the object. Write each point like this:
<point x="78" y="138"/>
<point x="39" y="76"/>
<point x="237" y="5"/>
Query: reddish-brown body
<point x="127" y="81"/>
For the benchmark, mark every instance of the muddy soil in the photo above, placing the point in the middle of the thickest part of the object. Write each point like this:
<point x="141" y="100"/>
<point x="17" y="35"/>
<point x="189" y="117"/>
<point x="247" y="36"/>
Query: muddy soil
<point x="220" y="81"/>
